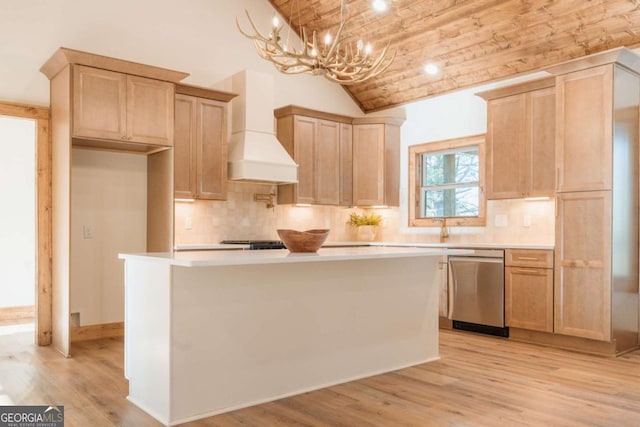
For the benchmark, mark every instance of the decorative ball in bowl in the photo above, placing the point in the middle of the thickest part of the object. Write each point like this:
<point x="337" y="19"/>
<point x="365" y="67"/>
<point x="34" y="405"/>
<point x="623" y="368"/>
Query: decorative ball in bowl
<point x="303" y="241"/>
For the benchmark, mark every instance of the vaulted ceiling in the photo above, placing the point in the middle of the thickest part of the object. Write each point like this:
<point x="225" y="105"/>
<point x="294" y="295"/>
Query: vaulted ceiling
<point x="473" y="41"/>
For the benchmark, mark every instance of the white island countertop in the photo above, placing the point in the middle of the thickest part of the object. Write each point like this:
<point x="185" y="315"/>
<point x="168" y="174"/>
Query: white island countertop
<point x="280" y="256"/>
<point x="446" y="245"/>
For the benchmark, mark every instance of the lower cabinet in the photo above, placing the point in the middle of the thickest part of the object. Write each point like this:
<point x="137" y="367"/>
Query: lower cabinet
<point x="528" y="282"/>
<point x="583" y="290"/>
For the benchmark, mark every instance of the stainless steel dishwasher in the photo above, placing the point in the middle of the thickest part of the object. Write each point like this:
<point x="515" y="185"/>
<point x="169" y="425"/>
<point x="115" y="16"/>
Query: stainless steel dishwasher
<point x="476" y="292"/>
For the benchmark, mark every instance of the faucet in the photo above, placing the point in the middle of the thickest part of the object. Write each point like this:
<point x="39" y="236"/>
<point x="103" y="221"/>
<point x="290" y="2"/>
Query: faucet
<point x="444" y="230"/>
<point x="265" y="197"/>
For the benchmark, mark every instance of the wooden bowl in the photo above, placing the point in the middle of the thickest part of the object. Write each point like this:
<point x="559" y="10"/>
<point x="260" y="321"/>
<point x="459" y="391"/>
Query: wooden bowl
<point x="303" y="241"/>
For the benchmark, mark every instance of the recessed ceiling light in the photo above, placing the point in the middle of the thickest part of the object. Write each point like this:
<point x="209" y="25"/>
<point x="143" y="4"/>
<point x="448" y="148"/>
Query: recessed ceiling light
<point x="379" y="5"/>
<point x="432" y="69"/>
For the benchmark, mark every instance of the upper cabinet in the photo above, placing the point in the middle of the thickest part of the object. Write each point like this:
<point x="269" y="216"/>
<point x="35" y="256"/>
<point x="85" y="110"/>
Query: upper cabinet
<point x="314" y="144"/>
<point x="320" y="143"/>
<point x="346" y="164"/>
<point x="115" y="106"/>
<point x="376" y="163"/>
<point x="585" y="129"/>
<point x="341" y="160"/>
<point x="521" y="140"/>
<point x="201" y="143"/>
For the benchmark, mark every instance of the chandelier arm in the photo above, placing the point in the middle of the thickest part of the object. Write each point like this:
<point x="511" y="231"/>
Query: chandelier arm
<point x="374" y="69"/>
<point x="296" y="63"/>
<point x="336" y="41"/>
<point x="255" y="29"/>
<point x="339" y="61"/>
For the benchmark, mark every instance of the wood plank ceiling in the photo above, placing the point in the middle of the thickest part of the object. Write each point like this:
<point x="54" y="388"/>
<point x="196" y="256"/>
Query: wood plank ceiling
<point x="474" y="41"/>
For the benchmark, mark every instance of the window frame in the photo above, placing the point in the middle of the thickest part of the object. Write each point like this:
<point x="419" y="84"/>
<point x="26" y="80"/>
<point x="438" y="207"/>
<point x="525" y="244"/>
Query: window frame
<point x="415" y="181"/>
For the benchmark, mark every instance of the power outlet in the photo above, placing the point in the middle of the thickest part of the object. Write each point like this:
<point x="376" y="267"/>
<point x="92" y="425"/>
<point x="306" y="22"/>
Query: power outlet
<point x="188" y="223"/>
<point x="87" y="232"/>
<point x="526" y="221"/>
<point x="75" y="319"/>
<point x="500" y="220"/>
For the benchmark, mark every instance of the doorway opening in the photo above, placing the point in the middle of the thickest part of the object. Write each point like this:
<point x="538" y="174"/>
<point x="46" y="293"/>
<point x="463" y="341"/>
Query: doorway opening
<point x="18" y="219"/>
<point x="25" y="222"/>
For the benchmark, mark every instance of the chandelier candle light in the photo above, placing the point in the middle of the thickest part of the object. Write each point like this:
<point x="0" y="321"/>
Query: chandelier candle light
<point x="338" y="59"/>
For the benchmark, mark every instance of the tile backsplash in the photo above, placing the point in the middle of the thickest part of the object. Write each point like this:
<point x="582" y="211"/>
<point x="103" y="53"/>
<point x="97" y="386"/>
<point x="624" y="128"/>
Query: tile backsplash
<point x="240" y="217"/>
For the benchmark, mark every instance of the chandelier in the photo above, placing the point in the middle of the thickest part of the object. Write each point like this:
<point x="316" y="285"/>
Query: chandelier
<point x="338" y="58"/>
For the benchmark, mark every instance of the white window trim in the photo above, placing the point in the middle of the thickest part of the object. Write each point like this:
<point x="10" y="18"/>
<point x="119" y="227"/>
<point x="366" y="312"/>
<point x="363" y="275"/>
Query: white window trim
<point x="415" y="173"/>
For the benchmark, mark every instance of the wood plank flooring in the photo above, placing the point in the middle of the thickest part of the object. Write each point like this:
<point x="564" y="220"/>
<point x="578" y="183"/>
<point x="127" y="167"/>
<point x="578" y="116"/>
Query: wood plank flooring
<point x="479" y="381"/>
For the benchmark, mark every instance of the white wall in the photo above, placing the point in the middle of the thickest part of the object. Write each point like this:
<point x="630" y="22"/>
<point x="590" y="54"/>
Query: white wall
<point x="196" y="36"/>
<point x="18" y="213"/>
<point x="109" y="216"/>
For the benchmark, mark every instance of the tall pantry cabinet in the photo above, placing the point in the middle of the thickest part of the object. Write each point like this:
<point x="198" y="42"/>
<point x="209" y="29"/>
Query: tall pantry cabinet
<point x="596" y="265"/>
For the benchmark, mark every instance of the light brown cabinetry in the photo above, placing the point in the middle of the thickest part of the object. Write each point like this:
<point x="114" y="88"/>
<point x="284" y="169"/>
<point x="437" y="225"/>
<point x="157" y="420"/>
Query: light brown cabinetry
<point x="583" y="265"/>
<point x="200" y="148"/>
<point x="346" y="164"/>
<point x="584" y="129"/>
<point x="341" y="160"/>
<point x="521" y="140"/>
<point x="327" y="163"/>
<point x="596" y="261"/>
<point x="321" y="148"/>
<point x="529" y="289"/>
<point x="376" y="163"/>
<point x="116" y="106"/>
<point x="315" y="147"/>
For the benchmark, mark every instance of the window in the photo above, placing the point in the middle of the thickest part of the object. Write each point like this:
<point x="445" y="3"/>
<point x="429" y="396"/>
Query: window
<point x="447" y="182"/>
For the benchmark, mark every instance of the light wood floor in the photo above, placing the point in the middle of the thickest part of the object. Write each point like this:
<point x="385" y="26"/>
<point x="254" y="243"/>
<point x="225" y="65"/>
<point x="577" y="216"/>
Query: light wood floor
<point x="479" y="381"/>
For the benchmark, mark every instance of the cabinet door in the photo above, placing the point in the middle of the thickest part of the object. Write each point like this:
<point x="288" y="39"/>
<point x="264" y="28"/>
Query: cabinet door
<point x="99" y="103"/>
<point x="150" y="111"/>
<point x="529" y="298"/>
<point x="327" y="163"/>
<point x="346" y="164"/>
<point x="541" y="177"/>
<point x="211" y="148"/>
<point x="184" y="148"/>
<point x="368" y="164"/>
<point x="304" y="142"/>
<point x="507" y="139"/>
<point x="583" y="265"/>
<point x="584" y="108"/>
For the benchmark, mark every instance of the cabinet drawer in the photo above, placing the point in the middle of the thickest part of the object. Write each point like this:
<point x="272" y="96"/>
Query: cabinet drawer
<point x="529" y="258"/>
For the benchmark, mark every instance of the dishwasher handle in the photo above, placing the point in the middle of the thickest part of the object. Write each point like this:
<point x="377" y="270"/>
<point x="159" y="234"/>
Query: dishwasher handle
<point x="476" y="259"/>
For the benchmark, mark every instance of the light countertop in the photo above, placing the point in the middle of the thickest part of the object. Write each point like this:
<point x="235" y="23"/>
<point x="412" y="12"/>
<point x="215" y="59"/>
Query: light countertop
<point x="218" y="246"/>
<point x="206" y="258"/>
<point x="465" y="245"/>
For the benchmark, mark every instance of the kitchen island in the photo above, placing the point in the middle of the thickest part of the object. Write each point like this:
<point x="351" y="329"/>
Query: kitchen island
<point x="208" y="332"/>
